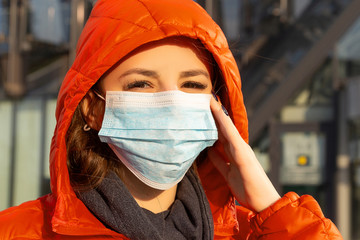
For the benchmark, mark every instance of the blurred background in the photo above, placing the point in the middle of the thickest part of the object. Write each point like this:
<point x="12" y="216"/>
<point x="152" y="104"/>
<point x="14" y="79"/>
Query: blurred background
<point x="300" y="67"/>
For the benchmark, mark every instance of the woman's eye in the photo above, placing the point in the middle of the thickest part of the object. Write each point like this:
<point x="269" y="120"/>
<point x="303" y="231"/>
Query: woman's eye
<point x="193" y="84"/>
<point x="138" y="84"/>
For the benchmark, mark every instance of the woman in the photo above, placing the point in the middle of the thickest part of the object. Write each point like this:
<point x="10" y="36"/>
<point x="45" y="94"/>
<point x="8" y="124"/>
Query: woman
<point x="132" y="154"/>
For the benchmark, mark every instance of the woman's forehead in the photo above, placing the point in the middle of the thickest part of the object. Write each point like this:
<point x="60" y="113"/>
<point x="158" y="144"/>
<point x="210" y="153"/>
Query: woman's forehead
<point x="179" y="41"/>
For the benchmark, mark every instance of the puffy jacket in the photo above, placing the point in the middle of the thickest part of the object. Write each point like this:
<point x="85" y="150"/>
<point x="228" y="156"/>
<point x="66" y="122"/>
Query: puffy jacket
<point x="115" y="28"/>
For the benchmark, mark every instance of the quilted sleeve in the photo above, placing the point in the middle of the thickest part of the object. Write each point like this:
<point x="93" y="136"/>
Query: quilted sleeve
<point x="293" y="217"/>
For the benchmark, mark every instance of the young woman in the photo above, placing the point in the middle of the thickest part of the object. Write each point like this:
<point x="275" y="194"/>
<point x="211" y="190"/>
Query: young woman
<point x="150" y="141"/>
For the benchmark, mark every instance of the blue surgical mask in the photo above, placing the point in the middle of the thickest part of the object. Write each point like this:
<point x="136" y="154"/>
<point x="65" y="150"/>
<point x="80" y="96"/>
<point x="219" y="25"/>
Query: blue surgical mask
<point x="158" y="136"/>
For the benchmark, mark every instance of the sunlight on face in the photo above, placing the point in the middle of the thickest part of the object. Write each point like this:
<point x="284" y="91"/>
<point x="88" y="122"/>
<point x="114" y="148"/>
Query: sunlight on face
<point x="160" y="67"/>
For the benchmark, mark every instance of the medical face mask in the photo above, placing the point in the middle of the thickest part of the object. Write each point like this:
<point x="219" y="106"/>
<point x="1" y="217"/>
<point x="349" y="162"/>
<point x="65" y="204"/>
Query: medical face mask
<point x="158" y="136"/>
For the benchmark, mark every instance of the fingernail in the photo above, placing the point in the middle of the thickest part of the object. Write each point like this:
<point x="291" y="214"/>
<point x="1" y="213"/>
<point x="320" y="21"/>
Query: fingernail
<point x="214" y="95"/>
<point x="225" y="111"/>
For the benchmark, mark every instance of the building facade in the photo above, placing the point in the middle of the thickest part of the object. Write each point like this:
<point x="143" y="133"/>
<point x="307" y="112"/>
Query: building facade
<point x="300" y="67"/>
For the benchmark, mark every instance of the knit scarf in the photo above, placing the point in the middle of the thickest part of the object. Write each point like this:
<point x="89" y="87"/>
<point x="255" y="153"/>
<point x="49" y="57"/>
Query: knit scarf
<point x="188" y="218"/>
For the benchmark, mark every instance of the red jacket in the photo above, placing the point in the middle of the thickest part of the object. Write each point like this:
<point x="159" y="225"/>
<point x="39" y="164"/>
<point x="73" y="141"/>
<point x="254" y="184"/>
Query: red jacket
<point x="115" y="28"/>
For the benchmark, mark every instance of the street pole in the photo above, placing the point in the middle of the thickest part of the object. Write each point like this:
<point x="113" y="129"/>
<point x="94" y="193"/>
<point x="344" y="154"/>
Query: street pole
<point x="14" y="83"/>
<point x="77" y="21"/>
<point x="343" y="184"/>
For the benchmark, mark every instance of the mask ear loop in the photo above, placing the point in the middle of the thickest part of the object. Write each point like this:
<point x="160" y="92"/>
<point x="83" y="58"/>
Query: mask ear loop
<point x="98" y="94"/>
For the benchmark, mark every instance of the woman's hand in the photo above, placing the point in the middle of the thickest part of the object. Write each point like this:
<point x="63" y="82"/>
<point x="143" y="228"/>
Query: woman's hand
<point x="239" y="166"/>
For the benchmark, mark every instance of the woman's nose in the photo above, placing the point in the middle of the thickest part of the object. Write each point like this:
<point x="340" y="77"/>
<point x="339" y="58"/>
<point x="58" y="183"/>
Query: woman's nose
<point x="169" y="85"/>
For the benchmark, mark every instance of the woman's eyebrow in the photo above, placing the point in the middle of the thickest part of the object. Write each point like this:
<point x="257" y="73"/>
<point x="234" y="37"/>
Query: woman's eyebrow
<point x="141" y="71"/>
<point x="193" y="73"/>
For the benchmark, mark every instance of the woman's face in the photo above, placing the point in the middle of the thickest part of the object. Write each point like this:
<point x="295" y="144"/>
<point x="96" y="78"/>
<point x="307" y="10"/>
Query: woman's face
<point x="158" y="68"/>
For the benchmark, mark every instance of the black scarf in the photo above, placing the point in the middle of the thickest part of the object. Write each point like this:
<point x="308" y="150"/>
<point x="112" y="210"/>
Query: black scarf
<point x="188" y="218"/>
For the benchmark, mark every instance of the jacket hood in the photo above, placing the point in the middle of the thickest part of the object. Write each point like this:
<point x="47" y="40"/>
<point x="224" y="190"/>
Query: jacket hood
<point x="114" y="29"/>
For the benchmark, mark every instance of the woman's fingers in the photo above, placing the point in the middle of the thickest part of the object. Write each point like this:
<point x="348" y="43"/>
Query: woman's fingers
<point x="225" y="124"/>
<point x="228" y="134"/>
<point x="236" y="161"/>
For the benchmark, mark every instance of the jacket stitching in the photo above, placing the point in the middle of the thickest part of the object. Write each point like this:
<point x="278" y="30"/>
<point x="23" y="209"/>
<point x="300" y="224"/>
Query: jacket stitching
<point x="312" y="224"/>
<point x="298" y="234"/>
<point x="121" y="19"/>
<point x="263" y="220"/>
<point x="148" y="10"/>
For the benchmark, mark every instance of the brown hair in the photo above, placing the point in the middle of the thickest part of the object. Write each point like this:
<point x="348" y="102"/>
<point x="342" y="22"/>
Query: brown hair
<point x="88" y="159"/>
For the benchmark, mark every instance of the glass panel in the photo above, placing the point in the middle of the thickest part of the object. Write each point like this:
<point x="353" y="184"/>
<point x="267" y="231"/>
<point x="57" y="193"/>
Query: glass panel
<point x="4" y="25"/>
<point x="241" y="19"/>
<point x="299" y="6"/>
<point x="47" y="36"/>
<point x="27" y="150"/>
<point x="50" y="21"/>
<point x="349" y="47"/>
<point x="6" y="128"/>
<point x="49" y="131"/>
<point x="319" y="89"/>
<point x="231" y="21"/>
